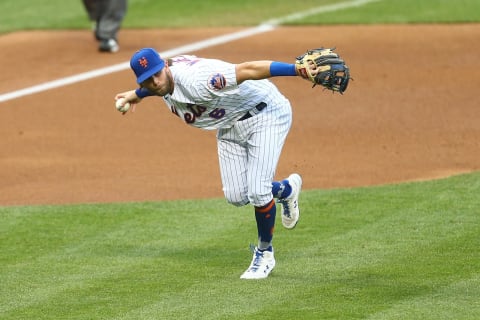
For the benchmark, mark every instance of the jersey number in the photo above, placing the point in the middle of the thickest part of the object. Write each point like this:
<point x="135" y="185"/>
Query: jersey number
<point x="197" y="111"/>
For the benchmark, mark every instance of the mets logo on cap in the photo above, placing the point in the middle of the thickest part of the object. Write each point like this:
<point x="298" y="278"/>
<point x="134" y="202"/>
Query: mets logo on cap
<point x="217" y="81"/>
<point x="143" y="62"/>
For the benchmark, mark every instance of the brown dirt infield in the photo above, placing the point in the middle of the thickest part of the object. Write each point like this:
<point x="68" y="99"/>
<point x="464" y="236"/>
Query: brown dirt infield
<point x="411" y="113"/>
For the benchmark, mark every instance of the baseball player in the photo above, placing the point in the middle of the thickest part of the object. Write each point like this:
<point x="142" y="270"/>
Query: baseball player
<point x="252" y="119"/>
<point x="107" y="16"/>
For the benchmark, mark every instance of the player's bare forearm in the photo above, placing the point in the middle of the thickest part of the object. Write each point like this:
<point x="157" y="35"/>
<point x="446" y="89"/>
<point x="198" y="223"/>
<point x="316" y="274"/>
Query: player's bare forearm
<point x="252" y="70"/>
<point x="257" y="70"/>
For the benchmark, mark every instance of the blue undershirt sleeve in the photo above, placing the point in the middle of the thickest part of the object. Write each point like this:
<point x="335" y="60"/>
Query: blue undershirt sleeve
<point x="142" y="93"/>
<point x="282" y="69"/>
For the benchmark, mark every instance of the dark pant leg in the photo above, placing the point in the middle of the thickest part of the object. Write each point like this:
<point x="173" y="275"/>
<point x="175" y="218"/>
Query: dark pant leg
<point x="110" y="14"/>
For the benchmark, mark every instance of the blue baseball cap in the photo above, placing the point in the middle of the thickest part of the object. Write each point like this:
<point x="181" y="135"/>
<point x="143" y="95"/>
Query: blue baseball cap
<point x="145" y="63"/>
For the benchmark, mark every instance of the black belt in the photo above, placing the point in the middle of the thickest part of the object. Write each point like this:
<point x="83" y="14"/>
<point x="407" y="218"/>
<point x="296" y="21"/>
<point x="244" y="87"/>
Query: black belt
<point x="259" y="107"/>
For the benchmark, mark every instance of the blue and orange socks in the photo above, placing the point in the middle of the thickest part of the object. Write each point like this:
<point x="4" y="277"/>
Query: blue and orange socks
<point x="265" y="217"/>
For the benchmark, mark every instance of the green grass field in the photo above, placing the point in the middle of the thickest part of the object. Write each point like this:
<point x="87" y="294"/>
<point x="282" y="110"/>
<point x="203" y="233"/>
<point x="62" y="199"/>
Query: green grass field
<point x="406" y="251"/>
<point x="65" y="14"/>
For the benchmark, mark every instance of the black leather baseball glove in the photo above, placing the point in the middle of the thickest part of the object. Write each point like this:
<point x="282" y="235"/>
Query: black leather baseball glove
<point x="324" y="67"/>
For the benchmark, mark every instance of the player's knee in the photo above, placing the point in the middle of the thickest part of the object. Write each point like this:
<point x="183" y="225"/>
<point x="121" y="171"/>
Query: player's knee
<point x="236" y="199"/>
<point x="238" y="203"/>
<point x="259" y="200"/>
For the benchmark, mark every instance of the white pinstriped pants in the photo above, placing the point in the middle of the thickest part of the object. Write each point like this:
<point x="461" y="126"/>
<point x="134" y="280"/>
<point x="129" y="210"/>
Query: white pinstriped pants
<point x="249" y="153"/>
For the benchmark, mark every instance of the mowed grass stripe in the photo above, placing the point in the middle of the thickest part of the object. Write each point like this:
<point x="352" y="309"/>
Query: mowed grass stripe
<point x="356" y="253"/>
<point x="456" y="301"/>
<point x="80" y="245"/>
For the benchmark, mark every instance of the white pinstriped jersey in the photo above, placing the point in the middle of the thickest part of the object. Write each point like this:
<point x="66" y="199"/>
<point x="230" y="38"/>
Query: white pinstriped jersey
<point x="206" y="94"/>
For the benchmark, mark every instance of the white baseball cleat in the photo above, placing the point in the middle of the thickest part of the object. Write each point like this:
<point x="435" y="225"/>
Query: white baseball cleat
<point x="262" y="264"/>
<point x="290" y="209"/>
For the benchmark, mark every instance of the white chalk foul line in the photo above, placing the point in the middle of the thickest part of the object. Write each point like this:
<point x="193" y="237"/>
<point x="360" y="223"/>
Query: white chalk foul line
<point x="264" y="27"/>
<point x="126" y="65"/>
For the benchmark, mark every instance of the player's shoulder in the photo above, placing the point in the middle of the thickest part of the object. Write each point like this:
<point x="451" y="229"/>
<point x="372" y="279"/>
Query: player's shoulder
<point x="183" y="60"/>
<point x="199" y="67"/>
<point x="191" y="60"/>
